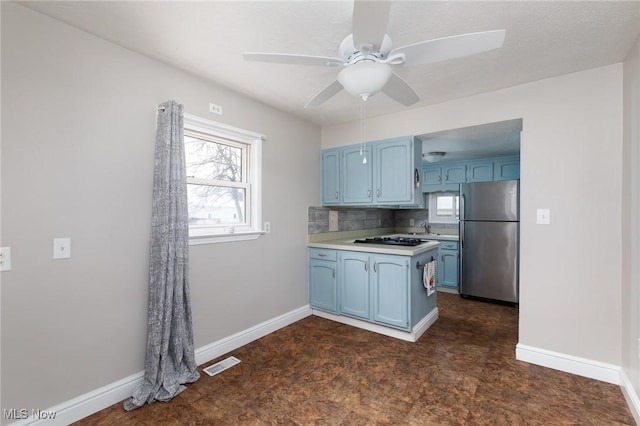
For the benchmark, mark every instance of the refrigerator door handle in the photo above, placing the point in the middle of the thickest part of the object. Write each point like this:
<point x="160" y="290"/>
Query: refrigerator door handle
<point x="462" y="221"/>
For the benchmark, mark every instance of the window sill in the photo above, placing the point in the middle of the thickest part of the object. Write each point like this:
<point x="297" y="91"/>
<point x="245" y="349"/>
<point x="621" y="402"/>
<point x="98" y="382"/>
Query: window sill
<point x="225" y="238"/>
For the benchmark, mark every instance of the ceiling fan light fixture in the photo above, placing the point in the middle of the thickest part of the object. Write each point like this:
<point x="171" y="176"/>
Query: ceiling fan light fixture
<point x="364" y="78"/>
<point x="433" y="157"/>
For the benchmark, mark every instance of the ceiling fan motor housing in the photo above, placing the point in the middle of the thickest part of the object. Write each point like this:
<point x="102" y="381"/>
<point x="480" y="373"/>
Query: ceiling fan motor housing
<point x="353" y="55"/>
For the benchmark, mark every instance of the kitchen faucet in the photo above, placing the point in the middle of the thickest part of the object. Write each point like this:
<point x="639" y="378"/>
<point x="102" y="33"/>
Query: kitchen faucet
<point x="427" y="227"/>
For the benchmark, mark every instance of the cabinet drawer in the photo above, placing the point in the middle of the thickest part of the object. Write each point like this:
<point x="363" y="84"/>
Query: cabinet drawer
<point x="449" y="245"/>
<point x="324" y="254"/>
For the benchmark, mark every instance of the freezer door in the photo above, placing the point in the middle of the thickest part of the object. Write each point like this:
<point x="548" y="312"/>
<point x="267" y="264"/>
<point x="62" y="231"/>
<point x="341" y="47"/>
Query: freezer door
<point x="489" y="260"/>
<point x="493" y="201"/>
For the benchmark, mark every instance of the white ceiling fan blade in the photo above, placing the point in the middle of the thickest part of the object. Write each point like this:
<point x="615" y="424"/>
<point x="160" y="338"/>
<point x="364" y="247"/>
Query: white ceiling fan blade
<point x="398" y="89"/>
<point x="289" y="58"/>
<point x="324" y="95"/>
<point x="441" y="49"/>
<point x="370" y="20"/>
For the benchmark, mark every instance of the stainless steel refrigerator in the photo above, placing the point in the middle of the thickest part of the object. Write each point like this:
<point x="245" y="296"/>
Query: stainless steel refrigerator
<point x="489" y="240"/>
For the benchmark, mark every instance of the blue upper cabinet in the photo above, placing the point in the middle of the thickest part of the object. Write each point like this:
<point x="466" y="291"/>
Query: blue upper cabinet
<point x="454" y="173"/>
<point x="507" y="168"/>
<point x="445" y="177"/>
<point x="357" y="176"/>
<point x="448" y="176"/>
<point x="391" y="175"/>
<point x="394" y="172"/>
<point x="480" y="171"/>
<point x="330" y="176"/>
<point x="432" y="175"/>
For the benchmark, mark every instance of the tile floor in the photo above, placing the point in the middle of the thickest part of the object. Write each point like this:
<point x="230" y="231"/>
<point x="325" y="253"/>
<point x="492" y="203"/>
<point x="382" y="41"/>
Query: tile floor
<point x="462" y="371"/>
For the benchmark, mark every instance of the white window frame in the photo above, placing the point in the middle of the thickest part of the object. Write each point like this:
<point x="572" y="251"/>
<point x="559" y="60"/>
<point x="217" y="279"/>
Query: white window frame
<point x="433" y="218"/>
<point x="208" y="234"/>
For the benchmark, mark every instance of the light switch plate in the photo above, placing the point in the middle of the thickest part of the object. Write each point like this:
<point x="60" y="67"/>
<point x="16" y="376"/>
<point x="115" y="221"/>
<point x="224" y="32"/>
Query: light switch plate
<point x="61" y="248"/>
<point x="5" y="258"/>
<point x="543" y="217"/>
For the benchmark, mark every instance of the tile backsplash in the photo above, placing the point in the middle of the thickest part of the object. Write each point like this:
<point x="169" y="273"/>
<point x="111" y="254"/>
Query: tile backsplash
<point x="338" y="219"/>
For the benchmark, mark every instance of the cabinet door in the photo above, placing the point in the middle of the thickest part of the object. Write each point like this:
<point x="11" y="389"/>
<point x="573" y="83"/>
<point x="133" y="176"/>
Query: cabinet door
<point x="323" y="291"/>
<point x="354" y="284"/>
<point x="356" y="177"/>
<point x="454" y="174"/>
<point x="480" y="171"/>
<point x="390" y="287"/>
<point x="393" y="172"/>
<point x="506" y="169"/>
<point x="448" y="268"/>
<point x="330" y="176"/>
<point x="432" y="176"/>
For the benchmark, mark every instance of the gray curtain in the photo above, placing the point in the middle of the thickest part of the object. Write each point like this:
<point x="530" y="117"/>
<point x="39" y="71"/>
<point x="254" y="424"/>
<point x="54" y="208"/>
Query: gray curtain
<point x="170" y="361"/>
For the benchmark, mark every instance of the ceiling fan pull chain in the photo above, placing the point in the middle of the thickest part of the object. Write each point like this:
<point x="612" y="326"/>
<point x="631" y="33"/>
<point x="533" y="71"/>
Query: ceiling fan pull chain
<point x="362" y="136"/>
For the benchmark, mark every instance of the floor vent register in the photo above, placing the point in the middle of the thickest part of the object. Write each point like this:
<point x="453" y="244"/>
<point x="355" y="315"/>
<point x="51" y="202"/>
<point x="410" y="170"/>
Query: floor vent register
<point x="220" y="366"/>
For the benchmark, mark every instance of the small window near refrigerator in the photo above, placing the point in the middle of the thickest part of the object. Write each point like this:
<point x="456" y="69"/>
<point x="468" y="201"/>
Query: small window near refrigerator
<point x="444" y="207"/>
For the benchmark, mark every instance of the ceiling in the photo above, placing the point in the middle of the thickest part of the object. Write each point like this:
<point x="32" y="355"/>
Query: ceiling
<point x="207" y="38"/>
<point x="473" y="142"/>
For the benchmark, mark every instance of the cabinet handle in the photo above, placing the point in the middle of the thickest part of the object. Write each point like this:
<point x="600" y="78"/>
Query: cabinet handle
<point x="336" y="195"/>
<point x="378" y="192"/>
<point x="333" y="273"/>
<point x="322" y="254"/>
<point x="369" y="193"/>
<point x="366" y="265"/>
<point x="375" y="266"/>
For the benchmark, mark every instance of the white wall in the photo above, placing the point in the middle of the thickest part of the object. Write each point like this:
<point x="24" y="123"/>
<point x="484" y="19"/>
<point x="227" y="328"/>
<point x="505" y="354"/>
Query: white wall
<point x="78" y="131"/>
<point x="571" y="163"/>
<point x="631" y="221"/>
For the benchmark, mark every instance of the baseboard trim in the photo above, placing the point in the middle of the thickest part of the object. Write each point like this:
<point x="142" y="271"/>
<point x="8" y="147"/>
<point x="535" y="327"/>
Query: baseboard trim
<point x="570" y="364"/>
<point x="631" y="396"/>
<point x="99" y="399"/>
<point x="409" y="336"/>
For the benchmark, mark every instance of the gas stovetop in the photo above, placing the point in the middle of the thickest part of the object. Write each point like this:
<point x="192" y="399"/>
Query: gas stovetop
<point x="394" y="241"/>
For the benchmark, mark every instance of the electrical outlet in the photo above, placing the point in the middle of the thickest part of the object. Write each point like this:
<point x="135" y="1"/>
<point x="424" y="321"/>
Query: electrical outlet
<point x="412" y="222"/>
<point x="61" y="248"/>
<point x="5" y="258"/>
<point x="333" y="220"/>
<point x="267" y="227"/>
<point x="215" y="109"/>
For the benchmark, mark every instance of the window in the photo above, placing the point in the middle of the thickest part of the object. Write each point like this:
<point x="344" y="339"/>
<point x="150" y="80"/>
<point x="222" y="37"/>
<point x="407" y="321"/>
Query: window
<point x="223" y="181"/>
<point x="444" y="207"/>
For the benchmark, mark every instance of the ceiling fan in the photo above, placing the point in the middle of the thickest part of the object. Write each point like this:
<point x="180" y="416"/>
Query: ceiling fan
<point x="367" y="56"/>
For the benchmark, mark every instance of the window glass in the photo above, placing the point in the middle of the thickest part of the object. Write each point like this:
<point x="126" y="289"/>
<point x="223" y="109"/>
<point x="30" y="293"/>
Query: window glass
<point x="223" y="181"/>
<point x="213" y="160"/>
<point x="444" y="207"/>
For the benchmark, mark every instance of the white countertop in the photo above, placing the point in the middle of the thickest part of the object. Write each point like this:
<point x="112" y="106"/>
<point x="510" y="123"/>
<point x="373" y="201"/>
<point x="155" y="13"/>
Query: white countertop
<point x="376" y="248"/>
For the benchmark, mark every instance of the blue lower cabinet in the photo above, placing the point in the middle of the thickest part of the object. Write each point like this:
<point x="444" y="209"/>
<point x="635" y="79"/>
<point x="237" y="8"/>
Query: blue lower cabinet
<point x="448" y="269"/>
<point x="390" y="290"/>
<point x="323" y="279"/>
<point x="384" y="289"/>
<point x="323" y="289"/>
<point x="448" y="265"/>
<point x="375" y="287"/>
<point x="354" y="280"/>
